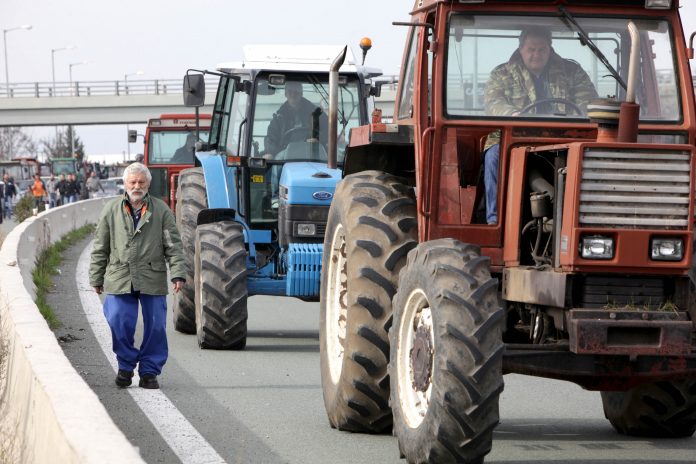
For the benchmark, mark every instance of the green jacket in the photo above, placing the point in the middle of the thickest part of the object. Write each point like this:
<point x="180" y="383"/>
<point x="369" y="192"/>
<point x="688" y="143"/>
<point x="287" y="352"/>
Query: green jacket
<point x="123" y="257"/>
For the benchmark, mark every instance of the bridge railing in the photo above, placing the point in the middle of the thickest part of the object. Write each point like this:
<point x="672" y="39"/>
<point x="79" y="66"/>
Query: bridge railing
<point x="98" y="88"/>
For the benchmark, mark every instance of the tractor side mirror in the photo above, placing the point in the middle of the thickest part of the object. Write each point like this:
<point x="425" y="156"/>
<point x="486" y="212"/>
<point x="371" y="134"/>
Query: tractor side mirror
<point x="132" y="136"/>
<point x="194" y="90"/>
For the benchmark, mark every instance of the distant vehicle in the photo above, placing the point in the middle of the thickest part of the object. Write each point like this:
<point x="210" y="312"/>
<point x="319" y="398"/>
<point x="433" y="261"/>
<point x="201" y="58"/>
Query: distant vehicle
<point x="63" y="166"/>
<point x="23" y="186"/>
<point x="111" y="188"/>
<point x="169" y="142"/>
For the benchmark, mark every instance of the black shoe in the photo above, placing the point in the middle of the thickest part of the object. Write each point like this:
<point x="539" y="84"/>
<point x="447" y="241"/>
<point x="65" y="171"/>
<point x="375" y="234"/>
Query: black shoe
<point x="149" y="381"/>
<point x="124" y="378"/>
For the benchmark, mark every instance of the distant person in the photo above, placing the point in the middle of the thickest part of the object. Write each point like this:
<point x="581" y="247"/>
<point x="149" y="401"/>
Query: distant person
<point x="10" y="191"/>
<point x="135" y="235"/>
<point x="2" y="203"/>
<point x="293" y="120"/>
<point x="38" y="191"/>
<point x="93" y="184"/>
<point x="60" y="189"/>
<point x="184" y="155"/>
<point x="72" y="188"/>
<point x="52" y="191"/>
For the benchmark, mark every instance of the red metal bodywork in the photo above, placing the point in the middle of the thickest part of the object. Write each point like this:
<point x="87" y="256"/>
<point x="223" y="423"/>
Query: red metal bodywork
<point x="448" y="156"/>
<point x="187" y="121"/>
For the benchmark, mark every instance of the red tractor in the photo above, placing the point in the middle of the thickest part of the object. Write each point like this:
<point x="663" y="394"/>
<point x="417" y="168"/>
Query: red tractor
<point x="530" y="211"/>
<point x="169" y="147"/>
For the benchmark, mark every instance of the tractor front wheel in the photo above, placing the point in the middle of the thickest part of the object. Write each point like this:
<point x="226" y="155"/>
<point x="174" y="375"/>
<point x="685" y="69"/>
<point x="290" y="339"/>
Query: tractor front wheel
<point x="220" y="284"/>
<point x="446" y="354"/>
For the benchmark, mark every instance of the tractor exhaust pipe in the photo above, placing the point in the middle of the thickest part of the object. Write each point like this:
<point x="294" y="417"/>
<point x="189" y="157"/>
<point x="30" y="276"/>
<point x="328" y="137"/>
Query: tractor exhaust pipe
<point x="629" y="114"/>
<point x="333" y="108"/>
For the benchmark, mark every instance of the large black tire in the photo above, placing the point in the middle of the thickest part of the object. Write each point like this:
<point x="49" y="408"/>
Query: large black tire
<point x="370" y="230"/>
<point x="190" y="200"/>
<point x="221" y="289"/>
<point x="659" y="410"/>
<point x="446" y="354"/>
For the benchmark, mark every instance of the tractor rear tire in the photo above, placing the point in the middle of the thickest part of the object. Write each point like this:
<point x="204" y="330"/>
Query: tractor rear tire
<point x="190" y="200"/>
<point x="446" y="354"/>
<point x="371" y="228"/>
<point x="220" y="284"/>
<point x="659" y="410"/>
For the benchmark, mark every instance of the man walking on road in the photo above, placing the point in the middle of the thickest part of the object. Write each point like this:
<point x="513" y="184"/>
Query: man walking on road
<point x="135" y="235"/>
<point x="8" y="195"/>
<point x="93" y="184"/>
<point x="72" y="188"/>
<point x="52" y="191"/>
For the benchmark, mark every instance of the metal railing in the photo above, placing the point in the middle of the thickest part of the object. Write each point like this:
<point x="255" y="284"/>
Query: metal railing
<point x="98" y="88"/>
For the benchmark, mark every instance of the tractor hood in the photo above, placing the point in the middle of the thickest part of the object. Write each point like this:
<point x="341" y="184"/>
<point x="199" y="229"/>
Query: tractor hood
<point x="307" y="183"/>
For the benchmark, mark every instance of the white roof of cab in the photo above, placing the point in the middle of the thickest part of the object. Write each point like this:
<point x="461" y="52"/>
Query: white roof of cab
<point x="295" y="58"/>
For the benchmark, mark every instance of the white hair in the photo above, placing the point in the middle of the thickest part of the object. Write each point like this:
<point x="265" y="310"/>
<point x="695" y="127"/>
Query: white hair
<point x="136" y="168"/>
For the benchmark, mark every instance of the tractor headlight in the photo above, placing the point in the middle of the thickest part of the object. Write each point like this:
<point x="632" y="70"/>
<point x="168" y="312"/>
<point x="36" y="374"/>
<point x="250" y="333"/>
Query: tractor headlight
<point x="597" y="247"/>
<point x="667" y="249"/>
<point x="306" y="229"/>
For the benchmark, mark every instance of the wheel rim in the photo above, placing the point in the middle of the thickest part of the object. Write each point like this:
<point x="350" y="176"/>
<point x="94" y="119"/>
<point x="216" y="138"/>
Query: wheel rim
<point x="415" y="355"/>
<point x="336" y="304"/>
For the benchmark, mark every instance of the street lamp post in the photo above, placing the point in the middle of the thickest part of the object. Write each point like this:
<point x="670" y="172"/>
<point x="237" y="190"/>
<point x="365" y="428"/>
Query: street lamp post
<point x="53" y="65"/>
<point x="25" y="27"/>
<point x="125" y="83"/>
<point x="125" y="78"/>
<point x="70" y="127"/>
<point x="70" y="66"/>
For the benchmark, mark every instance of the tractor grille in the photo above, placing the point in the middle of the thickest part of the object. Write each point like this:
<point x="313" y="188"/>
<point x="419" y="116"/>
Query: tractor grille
<point x="635" y="190"/>
<point x="598" y="292"/>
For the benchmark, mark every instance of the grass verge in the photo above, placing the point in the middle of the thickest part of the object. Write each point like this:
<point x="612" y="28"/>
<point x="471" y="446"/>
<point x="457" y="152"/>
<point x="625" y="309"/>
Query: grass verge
<point x="47" y="266"/>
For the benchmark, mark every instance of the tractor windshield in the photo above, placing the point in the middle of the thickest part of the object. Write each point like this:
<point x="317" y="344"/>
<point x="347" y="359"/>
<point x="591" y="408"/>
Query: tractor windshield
<point x="173" y="147"/>
<point x="291" y="117"/>
<point x="540" y="67"/>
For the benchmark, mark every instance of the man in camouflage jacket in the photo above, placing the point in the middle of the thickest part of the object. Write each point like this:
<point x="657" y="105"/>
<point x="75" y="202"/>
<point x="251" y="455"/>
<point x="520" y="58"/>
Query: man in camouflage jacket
<point x="534" y="72"/>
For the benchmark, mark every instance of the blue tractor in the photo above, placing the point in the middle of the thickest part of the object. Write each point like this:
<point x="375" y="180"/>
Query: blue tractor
<point x="252" y="214"/>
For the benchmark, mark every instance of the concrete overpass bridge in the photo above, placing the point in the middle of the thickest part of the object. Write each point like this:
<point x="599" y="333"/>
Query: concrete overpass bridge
<point x="97" y="102"/>
<point x="108" y="102"/>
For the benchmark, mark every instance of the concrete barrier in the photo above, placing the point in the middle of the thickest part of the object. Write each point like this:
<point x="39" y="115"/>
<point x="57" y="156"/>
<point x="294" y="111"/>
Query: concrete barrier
<point x="48" y="414"/>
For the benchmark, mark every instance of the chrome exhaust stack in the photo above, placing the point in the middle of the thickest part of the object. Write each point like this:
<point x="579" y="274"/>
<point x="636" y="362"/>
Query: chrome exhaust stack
<point x="333" y="108"/>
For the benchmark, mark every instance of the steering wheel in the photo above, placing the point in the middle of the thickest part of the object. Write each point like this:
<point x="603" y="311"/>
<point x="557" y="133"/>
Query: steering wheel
<point x="295" y="134"/>
<point x="562" y="101"/>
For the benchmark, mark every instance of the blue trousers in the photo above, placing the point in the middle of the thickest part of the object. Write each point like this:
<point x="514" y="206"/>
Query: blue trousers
<point x="121" y="313"/>
<point x="490" y="180"/>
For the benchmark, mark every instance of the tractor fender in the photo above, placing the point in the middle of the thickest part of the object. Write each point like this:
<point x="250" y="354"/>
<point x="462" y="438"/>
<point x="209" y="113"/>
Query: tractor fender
<point x="220" y="181"/>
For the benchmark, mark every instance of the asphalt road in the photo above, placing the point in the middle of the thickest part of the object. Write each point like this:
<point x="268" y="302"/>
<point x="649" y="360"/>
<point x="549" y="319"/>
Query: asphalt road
<point x="264" y="405"/>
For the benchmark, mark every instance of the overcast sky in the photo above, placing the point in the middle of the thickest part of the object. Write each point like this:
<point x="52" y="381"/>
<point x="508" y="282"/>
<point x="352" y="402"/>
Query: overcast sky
<point x="164" y="38"/>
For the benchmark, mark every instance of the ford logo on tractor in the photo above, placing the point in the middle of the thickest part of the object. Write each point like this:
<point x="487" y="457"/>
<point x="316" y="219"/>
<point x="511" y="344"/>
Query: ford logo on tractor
<point x="322" y="195"/>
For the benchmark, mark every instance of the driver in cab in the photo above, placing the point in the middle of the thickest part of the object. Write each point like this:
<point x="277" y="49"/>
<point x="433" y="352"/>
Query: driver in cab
<point x="535" y="80"/>
<point x="293" y="120"/>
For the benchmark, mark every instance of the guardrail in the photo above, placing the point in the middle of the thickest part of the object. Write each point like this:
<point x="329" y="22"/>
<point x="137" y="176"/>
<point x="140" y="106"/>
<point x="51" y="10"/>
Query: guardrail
<point x="48" y="413"/>
<point x="115" y="88"/>
<point x="99" y="88"/>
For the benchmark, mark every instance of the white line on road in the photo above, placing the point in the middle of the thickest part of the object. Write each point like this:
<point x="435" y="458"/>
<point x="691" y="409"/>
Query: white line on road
<point x="180" y="435"/>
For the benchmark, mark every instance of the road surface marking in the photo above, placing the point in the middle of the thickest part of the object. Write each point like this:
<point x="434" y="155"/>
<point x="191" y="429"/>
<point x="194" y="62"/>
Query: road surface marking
<point x="180" y="435"/>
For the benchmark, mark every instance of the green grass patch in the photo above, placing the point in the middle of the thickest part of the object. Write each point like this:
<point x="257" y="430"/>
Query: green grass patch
<point x="47" y="266"/>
